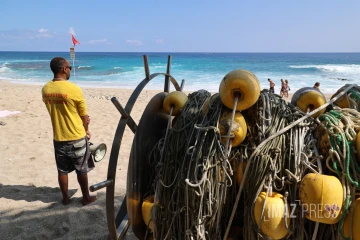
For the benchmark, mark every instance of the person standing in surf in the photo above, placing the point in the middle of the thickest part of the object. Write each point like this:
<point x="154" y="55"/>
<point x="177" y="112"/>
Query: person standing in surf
<point x="282" y="90"/>
<point x="286" y="88"/>
<point x="272" y="85"/>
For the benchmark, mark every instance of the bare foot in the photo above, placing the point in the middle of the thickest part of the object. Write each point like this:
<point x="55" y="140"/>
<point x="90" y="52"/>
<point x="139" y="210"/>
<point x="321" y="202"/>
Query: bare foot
<point x="88" y="201"/>
<point x="66" y="201"/>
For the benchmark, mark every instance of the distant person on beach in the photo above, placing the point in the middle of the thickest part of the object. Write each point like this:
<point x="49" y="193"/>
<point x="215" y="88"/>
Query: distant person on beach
<point x="287" y="88"/>
<point x="67" y="108"/>
<point x="282" y="90"/>
<point x="272" y="85"/>
<point x="317" y="85"/>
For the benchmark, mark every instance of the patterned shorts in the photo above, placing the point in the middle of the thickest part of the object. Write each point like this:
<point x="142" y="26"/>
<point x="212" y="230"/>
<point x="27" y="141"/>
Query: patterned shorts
<point x="73" y="155"/>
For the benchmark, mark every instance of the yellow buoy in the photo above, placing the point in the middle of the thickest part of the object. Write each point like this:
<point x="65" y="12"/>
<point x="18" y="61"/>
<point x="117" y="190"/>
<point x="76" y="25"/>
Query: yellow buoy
<point x="343" y="101"/>
<point x="321" y="197"/>
<point x="146" y="210"/>
<point x="309" y="99"/>
<point x="134" y="210"/>
<point x="238" y="128"/>
<point x="273" y="221"/>
<point x="242" y="83"/>
<point x="355" y="222"/>
<point x="177" y="100"/>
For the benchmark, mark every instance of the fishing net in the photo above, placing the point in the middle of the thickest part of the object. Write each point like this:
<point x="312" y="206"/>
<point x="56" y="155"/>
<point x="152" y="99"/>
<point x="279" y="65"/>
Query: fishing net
<point x="206" y="189"/>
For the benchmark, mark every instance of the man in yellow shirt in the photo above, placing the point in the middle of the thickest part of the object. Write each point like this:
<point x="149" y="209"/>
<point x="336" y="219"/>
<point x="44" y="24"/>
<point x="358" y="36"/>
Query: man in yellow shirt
<point x="67" y="108"/>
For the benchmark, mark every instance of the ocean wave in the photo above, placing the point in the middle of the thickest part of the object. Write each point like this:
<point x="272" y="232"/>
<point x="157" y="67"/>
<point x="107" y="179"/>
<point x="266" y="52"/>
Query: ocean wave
<point x="24" y="65"/>
<point x="26" y="60"/>
<point x="338" y="68"/>
<point x="4" y="69"/>
<point x="84" y="67"/>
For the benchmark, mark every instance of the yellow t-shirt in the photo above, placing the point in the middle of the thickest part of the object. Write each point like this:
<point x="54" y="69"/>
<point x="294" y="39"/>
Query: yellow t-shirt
<point x="65" y="103"/>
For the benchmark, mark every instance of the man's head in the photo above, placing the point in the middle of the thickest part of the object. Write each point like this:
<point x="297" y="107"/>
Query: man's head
<point x="317" y="84"/>
<point x="269" y="79"/>
<point x="60" y="67"/>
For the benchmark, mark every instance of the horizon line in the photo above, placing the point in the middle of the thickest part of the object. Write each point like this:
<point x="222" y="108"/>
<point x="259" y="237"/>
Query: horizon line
<point x="165" y="52"/>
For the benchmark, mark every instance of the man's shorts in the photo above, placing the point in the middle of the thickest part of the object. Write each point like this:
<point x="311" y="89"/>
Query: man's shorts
<point x="73" y="155"/>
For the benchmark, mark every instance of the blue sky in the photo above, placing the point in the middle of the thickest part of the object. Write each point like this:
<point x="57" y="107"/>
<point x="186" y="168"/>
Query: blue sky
<point x="181" y="26"/>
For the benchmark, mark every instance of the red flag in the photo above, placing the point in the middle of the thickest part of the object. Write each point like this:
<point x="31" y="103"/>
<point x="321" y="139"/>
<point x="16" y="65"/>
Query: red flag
<point x="74" y="40"/>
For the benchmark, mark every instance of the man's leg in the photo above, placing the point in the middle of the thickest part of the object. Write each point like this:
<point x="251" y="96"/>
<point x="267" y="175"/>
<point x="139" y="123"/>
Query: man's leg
<point x="83" y="181"/>
<point x="63" y="183"/>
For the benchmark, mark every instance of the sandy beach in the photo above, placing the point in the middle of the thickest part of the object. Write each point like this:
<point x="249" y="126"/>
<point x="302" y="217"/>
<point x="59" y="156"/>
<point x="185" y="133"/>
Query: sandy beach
<point x="30" y="206"/>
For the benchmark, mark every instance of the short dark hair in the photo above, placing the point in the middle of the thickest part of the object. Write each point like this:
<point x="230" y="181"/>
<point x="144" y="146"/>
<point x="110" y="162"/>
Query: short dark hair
<point x="57" y="63"/>
<point x="317" y="84"/>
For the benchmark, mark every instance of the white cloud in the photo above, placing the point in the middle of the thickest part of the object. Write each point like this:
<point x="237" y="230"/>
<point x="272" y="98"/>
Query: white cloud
<point x="100" y="41"/>
<point x="160" y="41"/>
<point x="135" y="42"/>
<point x="27" y="34"/>
<point x="44" y="33"/>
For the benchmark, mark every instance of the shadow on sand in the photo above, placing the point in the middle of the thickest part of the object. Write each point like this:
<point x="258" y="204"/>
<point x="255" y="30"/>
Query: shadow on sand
<point x="44" y="217"/>
<point x="32" y="193"/>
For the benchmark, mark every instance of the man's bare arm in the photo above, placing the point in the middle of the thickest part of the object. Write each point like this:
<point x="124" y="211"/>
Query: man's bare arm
<point x="86" y="121"/>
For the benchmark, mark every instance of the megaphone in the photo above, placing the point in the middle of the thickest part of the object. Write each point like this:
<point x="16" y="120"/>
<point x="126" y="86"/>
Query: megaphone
<point x="98" y="151"/>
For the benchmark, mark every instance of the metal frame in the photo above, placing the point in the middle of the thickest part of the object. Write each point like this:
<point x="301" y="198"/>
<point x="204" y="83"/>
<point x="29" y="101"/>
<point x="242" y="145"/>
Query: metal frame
<point x="118" y="225"/>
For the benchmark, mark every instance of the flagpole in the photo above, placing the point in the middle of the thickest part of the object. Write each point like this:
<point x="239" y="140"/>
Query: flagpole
<point x="72" y="56"/>
<point x="72" y="52"/>
<point x="74" y="70"/>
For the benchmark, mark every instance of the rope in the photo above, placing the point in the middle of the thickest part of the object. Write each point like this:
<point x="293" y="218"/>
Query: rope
<point x="189" y="203"/>
<point x="260" y="148"/>
<point x="194" y="180"/>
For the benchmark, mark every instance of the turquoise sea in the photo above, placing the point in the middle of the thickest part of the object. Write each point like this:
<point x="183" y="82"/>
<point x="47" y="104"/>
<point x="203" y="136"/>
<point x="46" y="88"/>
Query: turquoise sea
<point x="200" y="70"/>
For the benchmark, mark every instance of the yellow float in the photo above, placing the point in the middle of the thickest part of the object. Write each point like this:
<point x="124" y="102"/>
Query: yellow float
<point x="273" y="222"/>
<point x="175" y="100"/>
<point x="355" y="222"/>
<point x="321" y="197"/>
<point x="309" y="99"/>
<point x="242" y="83"/>
<point x="343" y="101"/>
<point x="146" y="210"/>
<point x="238" y="128"/>
<point x="134" y="211"/>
